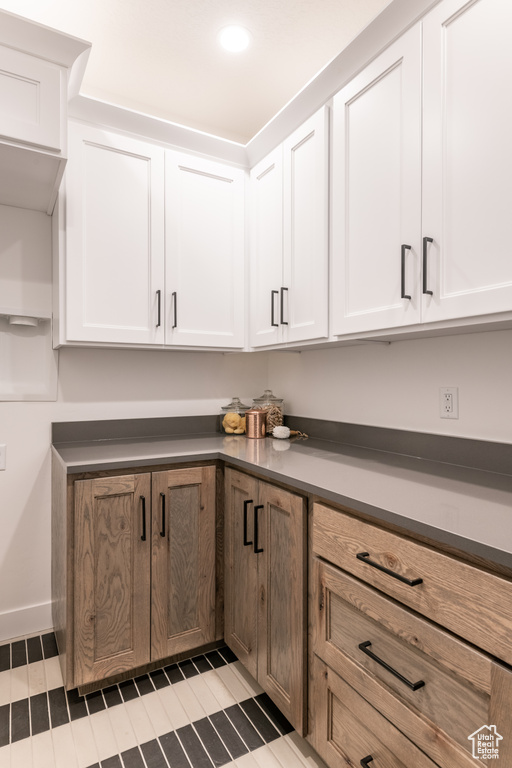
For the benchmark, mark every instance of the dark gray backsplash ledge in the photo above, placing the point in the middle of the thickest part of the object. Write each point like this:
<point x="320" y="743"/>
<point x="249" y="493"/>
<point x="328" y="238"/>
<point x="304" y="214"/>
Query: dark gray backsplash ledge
<point x="475" y="454"/>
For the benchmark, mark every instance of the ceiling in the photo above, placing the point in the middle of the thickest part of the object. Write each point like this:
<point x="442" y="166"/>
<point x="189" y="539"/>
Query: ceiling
<point x="161" y="57"/>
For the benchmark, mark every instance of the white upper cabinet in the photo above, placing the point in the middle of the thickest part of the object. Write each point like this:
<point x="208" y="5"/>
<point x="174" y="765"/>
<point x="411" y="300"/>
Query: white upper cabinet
<point x="152" y="245"/>
<point x="114" y="239"/>
<point x="376" y="207"/>
<point x="467" y="158"/>
<point x="204" y="210"/>
<point x="421" y="192"/>
<point x="289" y="239"/>
<point x="35" y="75"/>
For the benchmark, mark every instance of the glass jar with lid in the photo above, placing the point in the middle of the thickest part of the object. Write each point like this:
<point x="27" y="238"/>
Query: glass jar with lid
<point x="232" y="418"/>
<point x="274" y="407"/>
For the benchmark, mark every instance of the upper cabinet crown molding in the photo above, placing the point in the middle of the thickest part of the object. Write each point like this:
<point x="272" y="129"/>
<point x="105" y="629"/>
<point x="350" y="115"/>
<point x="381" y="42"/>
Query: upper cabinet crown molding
<point x="40" y="69"/>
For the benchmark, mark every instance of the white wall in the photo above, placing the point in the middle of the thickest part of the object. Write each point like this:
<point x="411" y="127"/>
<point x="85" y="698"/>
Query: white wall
<point x="397" y="385"/>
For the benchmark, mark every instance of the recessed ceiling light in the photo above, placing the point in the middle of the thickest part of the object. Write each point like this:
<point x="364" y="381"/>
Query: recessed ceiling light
<point x="234" y="39"/>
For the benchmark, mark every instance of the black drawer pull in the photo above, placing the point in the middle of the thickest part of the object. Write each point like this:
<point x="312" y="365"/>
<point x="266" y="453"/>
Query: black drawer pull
<point x="283" y="321"/>
<point x="426" y="240"/>
<point x="174" y="309"/>
<point x="410" y="582"/>
<point x="403" y="294"/>
<point x="247" y="543"/>
<point x="159" y="299"/>
<point x="366" y="760"/>
<point x="143" y="500"/>
<point x="162" y="530"/>
<point x="257" y="548"/>
<point x="272" y="318"/>
<point x="364" y="647"/>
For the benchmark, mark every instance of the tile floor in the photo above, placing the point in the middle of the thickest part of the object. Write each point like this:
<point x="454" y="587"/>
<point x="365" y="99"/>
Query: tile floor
<point x="204" y="712"/>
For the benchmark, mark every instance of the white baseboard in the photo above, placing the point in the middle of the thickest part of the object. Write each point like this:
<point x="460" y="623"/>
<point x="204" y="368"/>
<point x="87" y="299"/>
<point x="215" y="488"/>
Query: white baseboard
<point x="25" y="621"/>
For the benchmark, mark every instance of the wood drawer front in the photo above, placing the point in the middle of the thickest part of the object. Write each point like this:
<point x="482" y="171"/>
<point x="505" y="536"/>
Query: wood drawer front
<point x="346" y="729"/>
<point x="462" y="687"/>
<point x="467" y="600"/>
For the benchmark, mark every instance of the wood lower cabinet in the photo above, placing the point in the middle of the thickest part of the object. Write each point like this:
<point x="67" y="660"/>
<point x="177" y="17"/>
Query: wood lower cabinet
<point x="141" y="571"/>
<point x="433" y="684"/>
<point x="265" y="588"/>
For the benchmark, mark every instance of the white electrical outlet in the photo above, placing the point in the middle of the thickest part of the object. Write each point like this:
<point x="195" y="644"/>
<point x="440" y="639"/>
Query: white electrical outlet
<point x="3" y="451"/>
<point x="449" y="402"/>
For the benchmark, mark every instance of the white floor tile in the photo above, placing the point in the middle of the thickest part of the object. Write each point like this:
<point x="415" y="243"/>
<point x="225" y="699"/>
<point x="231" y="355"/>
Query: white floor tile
<point x="53" y="673"/>
<point x="64" y="747"/>
<point x="304" y="751"/>
<point x="203" y="693"/>
<point x="19" y="683"/>
<point x="36" y="678"/>
<point x="219" y="689"/>
<point x="122" y="727"/>
<point x="140" y="721"/>
<point x="5" y="756"/>
<point x="233" y="683"/>
<point x="156" y="713"/>
<point x="21" y="754"/>
<point x="247" y="680"/>
<point x="189" y="701"/>
<point x="85" y="745"/>
<point x="246" y="761"/>
<point x="42" y="750"/>
<point x="5" y="687"/>
<point x="285" y="754"/>
<point x="265" y="758"/>
<point x="106" y="743"/>
<point x="173" y="708"/>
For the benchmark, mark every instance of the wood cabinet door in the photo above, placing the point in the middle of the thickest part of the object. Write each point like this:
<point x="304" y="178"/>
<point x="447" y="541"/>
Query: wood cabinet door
<point x="305" y="257"/>
<point x="205" y="252"/>
<point x="467" y="158"/>
<point x="183" y="560"/>
<point x="112" y="575"/>
<point x="114" y="238"/>
<point x="376" y="169"/>
<point x="241" y="569"/>
<point x="266" y="250"/>
<point x="280" y="541"/>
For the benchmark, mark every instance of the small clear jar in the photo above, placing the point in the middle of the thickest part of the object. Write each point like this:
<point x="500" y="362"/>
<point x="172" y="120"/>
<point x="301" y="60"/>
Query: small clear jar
<point x="274" y="407"/>
<point x="232" y="417"/>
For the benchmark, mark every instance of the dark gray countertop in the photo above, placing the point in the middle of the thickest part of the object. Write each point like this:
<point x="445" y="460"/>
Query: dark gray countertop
<point x="466" y="508"/>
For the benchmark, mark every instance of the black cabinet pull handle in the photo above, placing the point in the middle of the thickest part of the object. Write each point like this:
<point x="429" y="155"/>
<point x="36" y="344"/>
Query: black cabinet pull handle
<point x="365" y="648"/>
<point x="272" y="318"/>
<point x="143" y="500"/>
<point x="162" y="530"/>
<point x="257" y="549"/>
<point x="247" y="543"/>
<point x="403" y="294"/>
<point x="364" y="557"/>
<point x="366" y="760"/>
<point x="159" y="303"/>
<point x="283" y="321"/>
<point x="174" y="309"/>
<point x="425" y="241"/>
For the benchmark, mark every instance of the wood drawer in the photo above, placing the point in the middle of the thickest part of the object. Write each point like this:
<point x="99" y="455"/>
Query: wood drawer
<point x="469" y="601"/>
<point x="462" y="689"/>
<point x="347" y="729"/>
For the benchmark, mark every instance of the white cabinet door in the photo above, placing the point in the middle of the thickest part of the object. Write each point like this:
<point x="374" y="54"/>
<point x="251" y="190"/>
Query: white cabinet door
<point x="266" y="250"/>
<point x="377" y="193"/>
<point x="205" y="252"/>
<point x="114" y="239"/>
<point x="289" y="238"/>
<point x="467" y="158"/>
<point x="305" y="273"/>
<point x="30" y="95"/>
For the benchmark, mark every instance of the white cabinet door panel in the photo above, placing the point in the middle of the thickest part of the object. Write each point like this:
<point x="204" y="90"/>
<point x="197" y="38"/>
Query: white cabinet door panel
<point x="114" y="243"/>
<point x="377" y="192"/>
<point x="266" y="251"/>
<point x="305" y="274"/>
<point x="467" y="161"/>
<point x="204" y="252"/>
